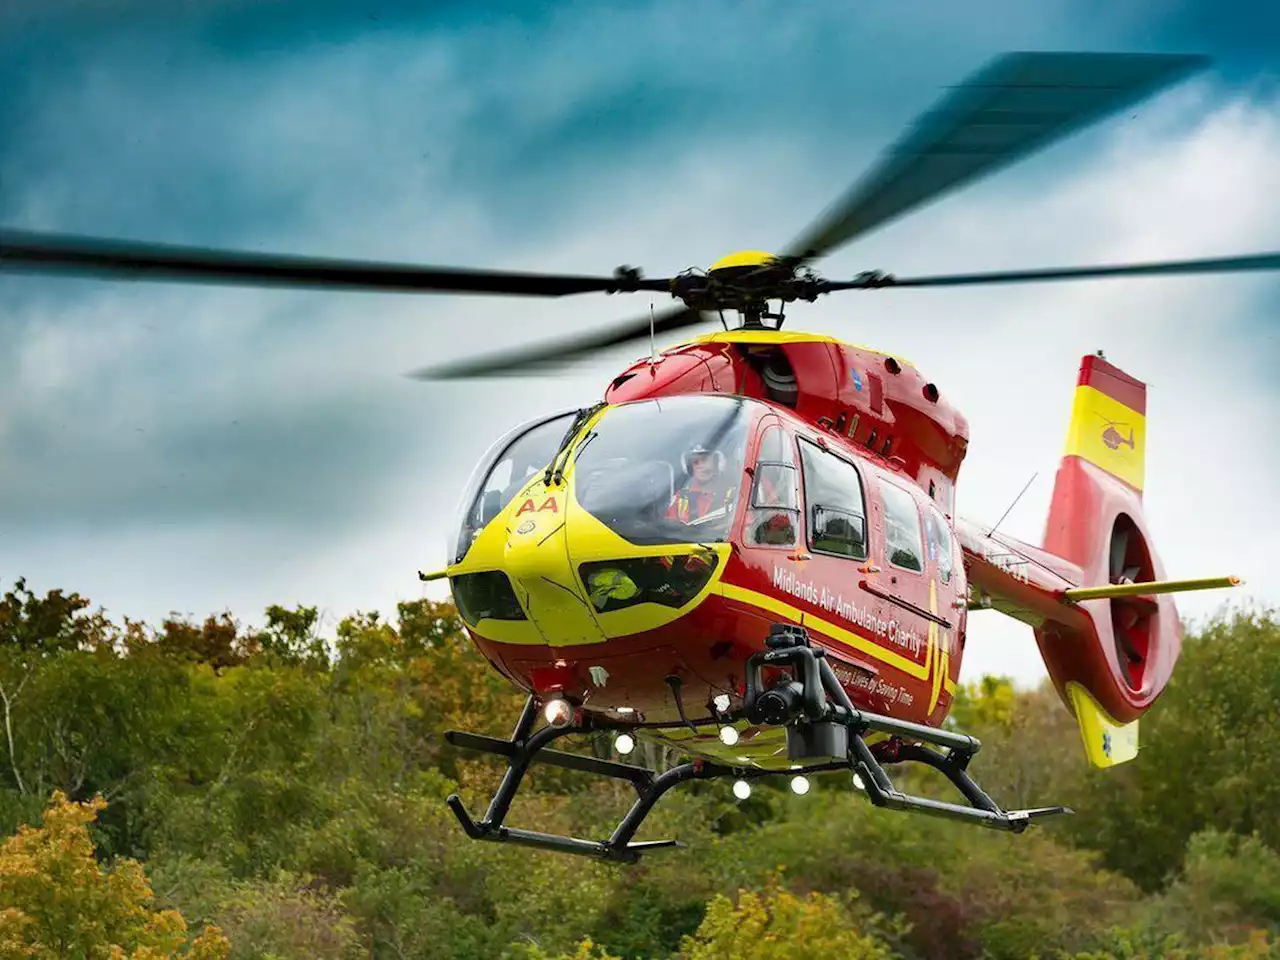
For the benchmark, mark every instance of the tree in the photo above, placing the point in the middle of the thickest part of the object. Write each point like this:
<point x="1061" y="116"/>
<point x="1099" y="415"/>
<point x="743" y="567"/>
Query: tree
<point x="292" y="637"/>
<point x="216" y="642"/>
<point x="1210" y="755"/>
<point x="987" y="702"/>
<point x="778" y="924"/>
<point x="57" y="902"/>
<point x="32" y="631"/>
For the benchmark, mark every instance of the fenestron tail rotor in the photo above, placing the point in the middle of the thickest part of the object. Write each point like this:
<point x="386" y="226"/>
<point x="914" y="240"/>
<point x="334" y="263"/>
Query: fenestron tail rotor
<point x="1014" y="106"/>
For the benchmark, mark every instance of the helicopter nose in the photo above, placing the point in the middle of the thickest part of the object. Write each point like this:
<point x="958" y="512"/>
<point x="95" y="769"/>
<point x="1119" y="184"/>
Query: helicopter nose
<point x="538" y="562"/>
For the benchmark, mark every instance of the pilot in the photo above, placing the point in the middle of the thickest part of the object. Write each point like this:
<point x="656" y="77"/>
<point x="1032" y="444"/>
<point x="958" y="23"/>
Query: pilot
<point x="706" y="491"/>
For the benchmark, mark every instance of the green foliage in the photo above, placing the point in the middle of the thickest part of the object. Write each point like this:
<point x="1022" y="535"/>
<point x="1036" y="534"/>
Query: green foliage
<point x="292" y="637"/>
<point x="987" y="703"/>
<point x="762" y="926"/>
<point x="285" y="918"/>
<point x="1124" y="946"/>
<point x="287" y="789"/>
<point x="1229" y="886"/>
<point x="586" y="950"/>
<point x="1210" y="756"/>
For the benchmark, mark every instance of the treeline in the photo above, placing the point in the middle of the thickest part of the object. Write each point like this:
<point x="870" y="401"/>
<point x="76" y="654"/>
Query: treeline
<point x="212" y="790"/>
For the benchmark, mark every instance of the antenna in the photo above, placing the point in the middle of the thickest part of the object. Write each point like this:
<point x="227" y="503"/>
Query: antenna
<point x="1014" y="504"/>
<point x="653" y="347"/>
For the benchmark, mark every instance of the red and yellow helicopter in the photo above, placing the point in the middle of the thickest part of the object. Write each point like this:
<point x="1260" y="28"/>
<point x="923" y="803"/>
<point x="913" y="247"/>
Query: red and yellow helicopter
<point x="748" y="549"/>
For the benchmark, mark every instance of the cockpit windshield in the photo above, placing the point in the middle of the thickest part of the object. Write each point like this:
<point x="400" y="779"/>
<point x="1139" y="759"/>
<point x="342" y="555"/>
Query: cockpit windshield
<point x="504" y="471"/>
<point x="665" y="470"/>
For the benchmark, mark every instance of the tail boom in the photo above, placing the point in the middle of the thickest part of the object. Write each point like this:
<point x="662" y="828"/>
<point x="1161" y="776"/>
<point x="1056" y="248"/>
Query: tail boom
<point x="1095" y="594"/>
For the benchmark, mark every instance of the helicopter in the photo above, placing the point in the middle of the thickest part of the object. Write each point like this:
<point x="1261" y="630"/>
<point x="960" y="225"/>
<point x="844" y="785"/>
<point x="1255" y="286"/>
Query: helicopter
<point x="748" y="548"/>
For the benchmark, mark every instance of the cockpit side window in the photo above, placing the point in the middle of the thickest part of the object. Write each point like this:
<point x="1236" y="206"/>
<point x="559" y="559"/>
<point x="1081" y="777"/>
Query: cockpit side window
<point x="837" y="510"/>
<point x="504" y="472"/>
<point x="901" y="528"/>
<point x="775" y="501"/>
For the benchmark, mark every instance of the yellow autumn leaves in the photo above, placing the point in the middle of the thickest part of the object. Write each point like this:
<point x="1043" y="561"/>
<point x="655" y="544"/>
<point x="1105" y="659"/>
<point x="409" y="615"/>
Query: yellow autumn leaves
<point x="58" y="903"/>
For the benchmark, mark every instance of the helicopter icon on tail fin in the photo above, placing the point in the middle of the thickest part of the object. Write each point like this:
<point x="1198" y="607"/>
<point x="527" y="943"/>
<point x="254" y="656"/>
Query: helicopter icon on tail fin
<point x="1112" y="436"/>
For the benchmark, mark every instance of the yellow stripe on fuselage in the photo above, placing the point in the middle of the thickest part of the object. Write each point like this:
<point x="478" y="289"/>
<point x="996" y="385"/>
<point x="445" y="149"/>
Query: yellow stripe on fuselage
<point x="857" y="641"/>
<point x="1108" y="434"/>
<point x="771" y="336"/>
<point x="941" y="672"/>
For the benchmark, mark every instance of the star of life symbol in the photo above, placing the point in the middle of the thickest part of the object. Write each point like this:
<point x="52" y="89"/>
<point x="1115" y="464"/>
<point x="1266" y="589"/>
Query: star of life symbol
<point x="599" y="676"/>
<point x="1106" y="743"/>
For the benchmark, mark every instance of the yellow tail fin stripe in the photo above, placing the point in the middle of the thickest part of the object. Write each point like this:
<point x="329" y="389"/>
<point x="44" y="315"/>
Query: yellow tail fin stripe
<point x="1108" y="434"/>
<point x="1106" y="743"/>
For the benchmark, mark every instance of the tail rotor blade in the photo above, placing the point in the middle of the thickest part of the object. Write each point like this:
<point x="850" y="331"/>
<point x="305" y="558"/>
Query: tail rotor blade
<point x="1119" y="548"/>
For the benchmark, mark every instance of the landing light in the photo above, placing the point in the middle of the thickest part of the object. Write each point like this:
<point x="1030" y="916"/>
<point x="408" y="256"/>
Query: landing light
<point x="800" y="785"/>
<point x="857" y="783"/>
<point x="624" y="744"/>
<point x="558" y="712"/>
<point x="728" y="736"/>
<point x="741" y="789"/>
<point x="721" y="703"/>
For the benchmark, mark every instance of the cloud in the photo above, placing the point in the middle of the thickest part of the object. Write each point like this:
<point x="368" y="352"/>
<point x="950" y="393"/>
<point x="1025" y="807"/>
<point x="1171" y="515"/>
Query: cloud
<point x="1192" y="179"/>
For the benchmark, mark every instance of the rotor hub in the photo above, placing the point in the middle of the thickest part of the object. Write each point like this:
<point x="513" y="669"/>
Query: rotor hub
<point x="745" y="281"/>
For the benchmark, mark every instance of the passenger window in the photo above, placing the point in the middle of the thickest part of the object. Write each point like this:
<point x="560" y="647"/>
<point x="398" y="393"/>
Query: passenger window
<point x="938" y="537"/>
<point x="775" y="500"/>
<point x="901" y="528"/>
<point x="837" y="512"/>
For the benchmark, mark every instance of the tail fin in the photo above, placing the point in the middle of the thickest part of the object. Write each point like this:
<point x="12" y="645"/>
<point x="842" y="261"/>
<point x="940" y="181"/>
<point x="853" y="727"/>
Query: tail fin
<point x="1109" y="421"/>
<point x="1112" y="674"/>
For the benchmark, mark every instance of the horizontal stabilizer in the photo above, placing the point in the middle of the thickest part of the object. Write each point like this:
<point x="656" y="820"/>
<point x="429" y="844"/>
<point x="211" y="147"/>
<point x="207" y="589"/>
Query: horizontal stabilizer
<point x="1112" y="591"/>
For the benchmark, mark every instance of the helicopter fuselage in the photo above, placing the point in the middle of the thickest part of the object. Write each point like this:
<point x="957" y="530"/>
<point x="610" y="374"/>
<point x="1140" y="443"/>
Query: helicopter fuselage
<point x="580" y="578"/>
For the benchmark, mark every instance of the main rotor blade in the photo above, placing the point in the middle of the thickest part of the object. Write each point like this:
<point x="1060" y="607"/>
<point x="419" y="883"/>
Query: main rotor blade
<point x="1019" y="103"/>
<point x="664" y="321"/>
<point x="1260" y="261"/>
<point x="26" y="252"/>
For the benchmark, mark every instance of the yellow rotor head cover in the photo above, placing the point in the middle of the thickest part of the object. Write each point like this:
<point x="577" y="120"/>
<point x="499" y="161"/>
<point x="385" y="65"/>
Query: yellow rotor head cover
<point x="743" y="258"/>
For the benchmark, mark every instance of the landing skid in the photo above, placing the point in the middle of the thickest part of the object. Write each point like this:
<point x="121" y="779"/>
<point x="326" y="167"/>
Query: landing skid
<point x="822" y="736"/>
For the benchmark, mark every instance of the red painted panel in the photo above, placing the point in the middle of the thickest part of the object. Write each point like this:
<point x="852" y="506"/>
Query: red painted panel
<point x="1114" y="382"/>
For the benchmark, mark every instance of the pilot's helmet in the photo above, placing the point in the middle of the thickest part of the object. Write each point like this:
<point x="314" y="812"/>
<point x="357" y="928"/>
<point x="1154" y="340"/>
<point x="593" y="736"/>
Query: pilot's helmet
<point x="697" y="452"/>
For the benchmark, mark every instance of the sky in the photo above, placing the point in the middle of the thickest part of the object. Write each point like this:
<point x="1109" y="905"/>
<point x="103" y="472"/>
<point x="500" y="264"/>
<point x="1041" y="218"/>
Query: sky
<point x="199" y="449"/>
